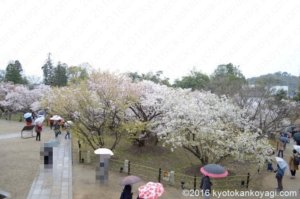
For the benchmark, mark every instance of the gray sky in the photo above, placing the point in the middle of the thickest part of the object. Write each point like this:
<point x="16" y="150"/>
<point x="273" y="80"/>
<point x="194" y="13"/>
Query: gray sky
<point x="260" y="36"/>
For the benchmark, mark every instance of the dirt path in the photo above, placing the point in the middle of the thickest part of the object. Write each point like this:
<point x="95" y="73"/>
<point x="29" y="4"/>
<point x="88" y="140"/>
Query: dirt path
<point x="269" y="181"/>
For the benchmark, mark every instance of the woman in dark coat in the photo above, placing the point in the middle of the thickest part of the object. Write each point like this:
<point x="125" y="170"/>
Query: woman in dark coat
<point x="206" y="186"/>
<point x="126" y="194"/>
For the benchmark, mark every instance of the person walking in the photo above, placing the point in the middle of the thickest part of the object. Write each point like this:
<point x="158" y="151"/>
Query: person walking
<point x="67" y="126"/>
<point x="126" y="193"/>
<point x="38" y="130"/>
<point x="280" y="148"/>
<point x="293" y="164"/>
<point x="279" y="175"/>
<point x="56" y="128"/>
<point x="205" y="185"/>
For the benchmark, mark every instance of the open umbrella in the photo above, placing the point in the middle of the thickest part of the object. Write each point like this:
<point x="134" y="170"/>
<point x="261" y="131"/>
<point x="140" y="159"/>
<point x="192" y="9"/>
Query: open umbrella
<point x="42" y="112"/>
<point x="214" y="171"/>
<point x="56" y="117"/>
<point x="297" y="148"/>
<point x="27" y="115"/>
<point x="296" y="137"/>
<point x="281" y="163"/>
<point x="151" y="190"/>
<point x="284" y="139"/>
<point x="129" y="180"/>
<point x="103" y="151"/>
<point x="4" y="194"/>
<point x="39" y="120"/>
<point x="70" y="123"/>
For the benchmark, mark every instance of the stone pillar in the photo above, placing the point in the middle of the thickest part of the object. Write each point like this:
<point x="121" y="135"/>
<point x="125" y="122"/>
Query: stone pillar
<point x="126" y="166"/>
<point x="88" y="157"/>
<point x="103" y="166"/>
<point x="172" y="178"/>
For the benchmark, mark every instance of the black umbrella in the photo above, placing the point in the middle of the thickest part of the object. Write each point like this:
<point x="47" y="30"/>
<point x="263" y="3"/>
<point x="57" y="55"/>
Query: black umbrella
<point x="297" y="137"/>
<point x="214" y="171"/>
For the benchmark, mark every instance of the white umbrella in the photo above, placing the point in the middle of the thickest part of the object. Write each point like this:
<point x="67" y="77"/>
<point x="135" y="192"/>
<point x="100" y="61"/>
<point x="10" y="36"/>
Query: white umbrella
<point x="297" y="148"/>
<point x="103" y="151"/>
<point x="39" y="120"/>
<point x="4" y="194"/>
<point x="69" y="123"/>
<point x="27" y="115"/>
<point x="130" y="180"/>
<point x="281" y="162"/>
<point x="56" y="117"/>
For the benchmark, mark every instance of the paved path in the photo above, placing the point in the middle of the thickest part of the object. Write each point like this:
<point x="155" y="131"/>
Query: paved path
<point x="55" y="183"/>
<point x="9" y="135"/>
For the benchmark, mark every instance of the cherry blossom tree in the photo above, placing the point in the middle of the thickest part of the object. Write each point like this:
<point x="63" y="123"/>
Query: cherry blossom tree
<point x="265" y="110"/>
<point x="97" y="106"/>
<point x="5" y="88"/>
<point x="20" y="98"/>
<point x="148" y="110"/>
<point x="210" y="127"/>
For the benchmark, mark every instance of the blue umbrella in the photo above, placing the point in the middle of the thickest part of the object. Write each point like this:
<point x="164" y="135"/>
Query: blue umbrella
<point x="27" y="115"/>
<point x="284" y="139"/>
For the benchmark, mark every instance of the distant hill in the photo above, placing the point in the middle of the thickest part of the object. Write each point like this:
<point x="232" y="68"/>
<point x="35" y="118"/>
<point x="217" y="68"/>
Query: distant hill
<point x="278" y="79"/>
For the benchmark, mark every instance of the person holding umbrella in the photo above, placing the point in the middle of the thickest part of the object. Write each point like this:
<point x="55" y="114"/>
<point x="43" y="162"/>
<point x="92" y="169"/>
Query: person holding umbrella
<point x="127" y="182"/>
<point x="28" y="119"/>
<point x="281" y="167"/>
<point x="38" y="130"/>
<point x="213" y="171"/>
<point x="296" y="138"/>
<point x="205" y="185"/>
<point x="126" y="193"/>
<point x="292" y="164"/>
<point x="39" y="127"/>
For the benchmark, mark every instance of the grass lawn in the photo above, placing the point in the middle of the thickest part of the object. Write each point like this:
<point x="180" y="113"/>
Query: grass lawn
<point x="146" y="161"/>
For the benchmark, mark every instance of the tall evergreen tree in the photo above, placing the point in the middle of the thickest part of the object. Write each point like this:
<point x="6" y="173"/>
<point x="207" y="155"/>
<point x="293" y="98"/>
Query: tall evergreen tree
<point x="2" y="75"/>
<point x="48" y="71"/>
<point x="195" y="80"/>
<point x="60" y="75"/>
<point x="14" y="72"/>
<point x="227" y="79"/>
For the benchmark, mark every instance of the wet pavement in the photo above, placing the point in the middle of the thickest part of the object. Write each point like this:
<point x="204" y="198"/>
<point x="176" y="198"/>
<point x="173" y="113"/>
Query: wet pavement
<point x="9" y="135"/>
<point x="55" y="182"/>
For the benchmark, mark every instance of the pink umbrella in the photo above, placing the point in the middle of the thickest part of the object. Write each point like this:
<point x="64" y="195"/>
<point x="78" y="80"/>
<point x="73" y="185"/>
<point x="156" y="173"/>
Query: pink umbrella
<point x="151" y="190"/>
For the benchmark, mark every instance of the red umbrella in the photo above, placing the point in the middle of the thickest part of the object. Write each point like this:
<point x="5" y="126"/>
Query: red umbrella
<point x="151" y="190"/>
<point x="214" y="171"/>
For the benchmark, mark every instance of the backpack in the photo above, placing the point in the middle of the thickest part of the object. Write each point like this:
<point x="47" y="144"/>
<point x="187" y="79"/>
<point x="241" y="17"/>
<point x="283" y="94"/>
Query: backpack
<point x="38" y="128"/>
<point x="296" y="159"/>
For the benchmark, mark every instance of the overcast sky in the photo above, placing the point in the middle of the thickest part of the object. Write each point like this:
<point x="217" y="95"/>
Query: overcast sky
<point x="136" y="35"/>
